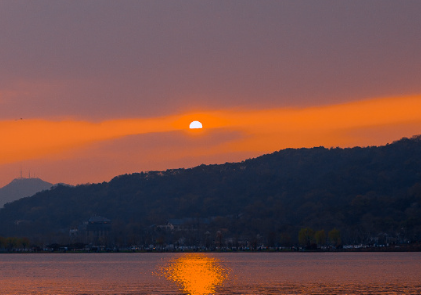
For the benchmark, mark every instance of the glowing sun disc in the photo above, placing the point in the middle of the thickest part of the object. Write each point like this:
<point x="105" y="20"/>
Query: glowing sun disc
<point x="195" y="125"/>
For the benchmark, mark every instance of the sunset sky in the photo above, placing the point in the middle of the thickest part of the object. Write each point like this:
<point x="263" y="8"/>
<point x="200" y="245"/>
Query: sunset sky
<point x="94" y="89"/>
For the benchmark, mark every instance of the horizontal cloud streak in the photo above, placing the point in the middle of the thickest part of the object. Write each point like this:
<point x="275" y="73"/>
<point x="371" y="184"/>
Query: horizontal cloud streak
<point x="25" y="139"/>
<point x="261" y="130"/>
<point x="334" y="125"/>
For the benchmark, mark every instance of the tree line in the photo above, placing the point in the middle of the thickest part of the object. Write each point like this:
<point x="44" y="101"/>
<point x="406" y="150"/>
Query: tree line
<point x="14" y="243"/>
<point x="311" y="239"/>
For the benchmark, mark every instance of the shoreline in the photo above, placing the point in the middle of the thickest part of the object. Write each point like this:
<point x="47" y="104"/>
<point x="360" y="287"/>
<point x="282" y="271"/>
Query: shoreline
<point x="399" y="249"/>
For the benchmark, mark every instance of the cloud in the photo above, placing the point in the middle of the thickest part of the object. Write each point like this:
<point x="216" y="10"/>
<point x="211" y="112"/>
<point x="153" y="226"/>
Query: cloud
<point x="107" y="60"/>
<point x="246" y="132"/>
<point x="104" y="160"/>
<point x="26" y="139"/>
<point x="334" y="125"/>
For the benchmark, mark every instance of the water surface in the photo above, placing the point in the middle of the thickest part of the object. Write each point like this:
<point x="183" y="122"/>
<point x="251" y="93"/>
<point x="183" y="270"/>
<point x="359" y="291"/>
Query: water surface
<point x="211" y="273"/>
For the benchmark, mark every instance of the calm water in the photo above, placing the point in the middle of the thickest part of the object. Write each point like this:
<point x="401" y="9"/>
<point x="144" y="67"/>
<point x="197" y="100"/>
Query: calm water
<point x="236" y="273"/>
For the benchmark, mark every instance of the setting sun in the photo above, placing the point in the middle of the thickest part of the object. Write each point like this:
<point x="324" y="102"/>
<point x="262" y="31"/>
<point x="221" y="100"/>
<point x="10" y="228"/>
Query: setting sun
<point x="195" y="125"/>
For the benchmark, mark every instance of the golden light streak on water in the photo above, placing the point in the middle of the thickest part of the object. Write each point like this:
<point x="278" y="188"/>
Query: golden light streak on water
<point x="196" y="273"/>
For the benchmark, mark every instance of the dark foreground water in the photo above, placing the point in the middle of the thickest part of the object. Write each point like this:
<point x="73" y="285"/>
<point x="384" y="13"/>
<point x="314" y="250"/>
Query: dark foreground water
<point x="197" y="273"/>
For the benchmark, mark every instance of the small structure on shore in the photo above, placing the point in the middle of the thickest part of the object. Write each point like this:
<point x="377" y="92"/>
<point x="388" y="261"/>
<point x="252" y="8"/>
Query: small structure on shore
<point x="98" y="229"/>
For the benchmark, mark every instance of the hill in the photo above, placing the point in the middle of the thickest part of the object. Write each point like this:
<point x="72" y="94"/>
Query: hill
<point x="367" y="193"/>
<point x="20" y="188"/>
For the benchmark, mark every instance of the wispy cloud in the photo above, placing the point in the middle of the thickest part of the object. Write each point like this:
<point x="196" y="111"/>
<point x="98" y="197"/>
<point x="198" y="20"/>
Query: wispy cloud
<point x="356" y="123"/>
<point x="341" y="125"/>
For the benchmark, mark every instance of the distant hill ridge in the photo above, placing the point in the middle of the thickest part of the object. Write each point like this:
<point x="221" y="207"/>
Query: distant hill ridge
<point x="363" y="191"/>
<point x="20" y="188"/>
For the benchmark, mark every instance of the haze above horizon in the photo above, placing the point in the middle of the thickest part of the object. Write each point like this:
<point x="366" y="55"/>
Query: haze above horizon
<point x="91" y="90"/>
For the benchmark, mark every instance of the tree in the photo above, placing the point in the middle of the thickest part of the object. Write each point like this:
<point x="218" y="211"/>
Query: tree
<point x="335" y="237"/>
<point x="271" y="239"/>
<point x="320" y="237"/>
<point x="285" y="239"/>
<point x="306" y="236"/>
<point x="219" y="239"/>
<point x="11" y="243"/>
<point x="24" y="242"/>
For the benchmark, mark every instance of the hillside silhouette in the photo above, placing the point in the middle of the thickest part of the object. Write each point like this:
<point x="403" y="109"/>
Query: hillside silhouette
<point x="366" y="193"/>
<point x="22" y="187"/>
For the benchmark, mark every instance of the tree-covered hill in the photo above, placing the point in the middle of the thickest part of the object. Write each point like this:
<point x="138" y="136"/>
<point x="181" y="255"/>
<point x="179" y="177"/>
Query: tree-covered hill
<point x="364" y="192"/>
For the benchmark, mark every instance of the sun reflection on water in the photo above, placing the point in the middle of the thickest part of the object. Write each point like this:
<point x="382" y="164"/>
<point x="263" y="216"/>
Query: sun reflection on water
<point x="196" y="273"/>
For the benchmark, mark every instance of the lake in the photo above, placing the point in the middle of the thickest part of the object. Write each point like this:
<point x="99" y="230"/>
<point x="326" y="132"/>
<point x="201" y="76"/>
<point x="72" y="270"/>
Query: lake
<point x="211" y="273"/>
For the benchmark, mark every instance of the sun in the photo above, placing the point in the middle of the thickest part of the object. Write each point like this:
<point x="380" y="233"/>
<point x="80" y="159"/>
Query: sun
<point x="195" y="125"/>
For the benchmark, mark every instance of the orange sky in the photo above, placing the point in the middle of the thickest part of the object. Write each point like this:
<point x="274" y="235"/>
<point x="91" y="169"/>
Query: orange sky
<point x="228" y="135"/>
<point x="90" y="90"/>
